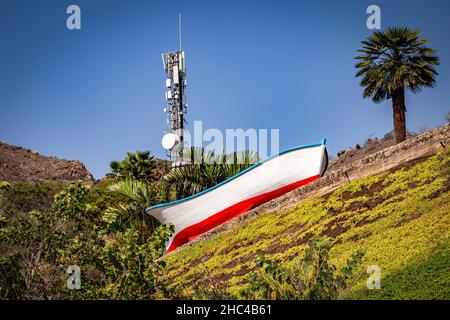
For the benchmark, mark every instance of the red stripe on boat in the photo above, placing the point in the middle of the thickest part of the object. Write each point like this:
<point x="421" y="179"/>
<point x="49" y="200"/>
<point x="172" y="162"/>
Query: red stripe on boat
<point x="195" y="230"/>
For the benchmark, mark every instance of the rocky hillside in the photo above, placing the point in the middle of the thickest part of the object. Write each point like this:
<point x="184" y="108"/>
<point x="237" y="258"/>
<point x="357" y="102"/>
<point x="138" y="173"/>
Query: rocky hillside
<point x="20" y="165"/>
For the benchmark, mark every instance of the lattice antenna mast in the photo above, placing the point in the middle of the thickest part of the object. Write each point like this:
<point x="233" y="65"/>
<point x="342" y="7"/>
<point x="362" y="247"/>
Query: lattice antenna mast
<point x="175" y="70"/>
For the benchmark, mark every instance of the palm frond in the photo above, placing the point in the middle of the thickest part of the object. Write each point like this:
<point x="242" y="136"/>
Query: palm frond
<point x="207" y="169"/>
<point x="395" y="59"/>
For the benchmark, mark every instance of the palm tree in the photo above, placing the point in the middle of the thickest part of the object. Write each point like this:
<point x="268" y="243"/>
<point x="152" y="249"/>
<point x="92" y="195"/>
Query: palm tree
<point x="137" y="165"/>
<point x="139" y="195"/>
<point x="394" y="61"/>
<point x="207" y="169"/>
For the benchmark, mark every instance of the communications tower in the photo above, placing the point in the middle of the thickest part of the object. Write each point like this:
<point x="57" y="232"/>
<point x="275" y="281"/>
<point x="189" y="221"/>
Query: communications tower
<point x="175" y="70"/>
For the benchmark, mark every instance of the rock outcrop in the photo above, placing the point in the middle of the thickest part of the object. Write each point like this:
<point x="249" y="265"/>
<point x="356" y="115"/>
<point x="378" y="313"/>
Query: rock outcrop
<point x="20" y="165"/>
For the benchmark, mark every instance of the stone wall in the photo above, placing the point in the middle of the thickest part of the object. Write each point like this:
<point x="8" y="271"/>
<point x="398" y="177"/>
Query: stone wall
<point x="423" y="145"/>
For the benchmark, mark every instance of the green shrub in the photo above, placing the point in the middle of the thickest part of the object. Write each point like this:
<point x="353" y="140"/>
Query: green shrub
<point x="4" y="185"/>
<point x="29" y="246"/>
<point x="26" y="197"/>
<point x="36" y="249"/>
<point x="310" y="278"/>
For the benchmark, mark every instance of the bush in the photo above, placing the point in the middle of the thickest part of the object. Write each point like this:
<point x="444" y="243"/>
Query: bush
<point x="311" y="278"/>
<point x="29" y="246"/>
<point x="4" y="185"/>
<point x="26" y="197"/>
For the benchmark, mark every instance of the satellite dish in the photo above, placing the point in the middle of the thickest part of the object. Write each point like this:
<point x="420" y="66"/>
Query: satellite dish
<point x="170" y="141"/>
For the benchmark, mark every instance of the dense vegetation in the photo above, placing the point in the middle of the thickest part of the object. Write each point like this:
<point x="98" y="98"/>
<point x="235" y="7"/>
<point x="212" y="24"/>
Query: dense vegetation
<point x="47" y="227"/>
<point x="102" y="229"/>
<point x="117" y="260"/>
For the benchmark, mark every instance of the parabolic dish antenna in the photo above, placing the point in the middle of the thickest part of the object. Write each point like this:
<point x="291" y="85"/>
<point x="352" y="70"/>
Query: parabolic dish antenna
<point x="170" y="141"/>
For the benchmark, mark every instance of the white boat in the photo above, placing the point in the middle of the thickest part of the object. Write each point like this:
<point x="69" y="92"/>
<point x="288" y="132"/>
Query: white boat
<point x="262" y="182"/>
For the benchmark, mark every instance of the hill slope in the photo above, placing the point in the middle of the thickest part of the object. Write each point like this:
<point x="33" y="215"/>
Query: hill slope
<point x="401" y="217"/>
<point x="20" y="165"/>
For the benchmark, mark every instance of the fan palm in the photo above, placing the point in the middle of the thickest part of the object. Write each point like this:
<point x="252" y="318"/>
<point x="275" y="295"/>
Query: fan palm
<point x="394" y="61"/>
<point x="137" y="165"/>
<point x="139" y="196"/>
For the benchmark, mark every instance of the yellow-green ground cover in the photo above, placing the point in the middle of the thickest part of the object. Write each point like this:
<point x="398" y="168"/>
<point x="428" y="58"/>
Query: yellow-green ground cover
<point x="401" y="218"/>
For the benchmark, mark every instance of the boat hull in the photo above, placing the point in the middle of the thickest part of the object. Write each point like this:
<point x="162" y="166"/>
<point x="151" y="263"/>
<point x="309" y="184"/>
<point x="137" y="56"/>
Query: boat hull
<point x="262" y="182"/>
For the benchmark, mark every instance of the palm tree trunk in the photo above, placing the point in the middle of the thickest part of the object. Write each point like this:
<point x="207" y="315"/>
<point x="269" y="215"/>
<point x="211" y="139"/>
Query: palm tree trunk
<point x="399" y="108"/>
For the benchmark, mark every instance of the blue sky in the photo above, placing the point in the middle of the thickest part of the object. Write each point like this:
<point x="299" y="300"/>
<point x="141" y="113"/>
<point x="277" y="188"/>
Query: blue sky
<point x="94" y="94"/>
